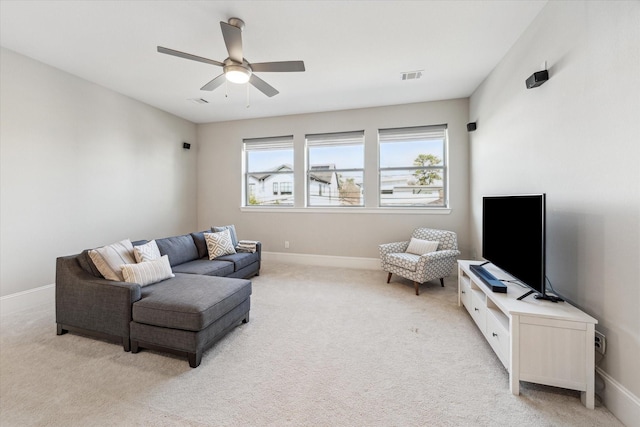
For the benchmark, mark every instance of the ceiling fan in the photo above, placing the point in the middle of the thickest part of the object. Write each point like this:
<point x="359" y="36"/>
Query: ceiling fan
<point x="236" y="68"/>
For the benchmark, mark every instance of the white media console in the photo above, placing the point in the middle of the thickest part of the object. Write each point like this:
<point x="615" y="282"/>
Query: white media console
<point x="537" y="341"/>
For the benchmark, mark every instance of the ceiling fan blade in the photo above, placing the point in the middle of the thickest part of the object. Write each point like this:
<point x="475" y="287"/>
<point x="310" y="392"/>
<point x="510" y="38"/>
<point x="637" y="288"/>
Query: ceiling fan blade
<point x="214" y="83"/>
<point x="188" y="56"/>
<point x="279" y="67"/>
<point x="233" y="39"/>
<point x="263" y="86"/>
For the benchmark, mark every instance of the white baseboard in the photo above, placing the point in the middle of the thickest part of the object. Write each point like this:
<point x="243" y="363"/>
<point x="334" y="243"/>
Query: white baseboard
<point x="323" y="260"/>
<point x="619" y="401"/>
<point x="13" y="303"/>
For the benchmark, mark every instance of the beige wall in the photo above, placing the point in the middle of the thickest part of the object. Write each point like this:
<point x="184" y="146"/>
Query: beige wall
<point x="576" y="138"/>
<point x="322" y="232"/>
<point x="83" y="166"/>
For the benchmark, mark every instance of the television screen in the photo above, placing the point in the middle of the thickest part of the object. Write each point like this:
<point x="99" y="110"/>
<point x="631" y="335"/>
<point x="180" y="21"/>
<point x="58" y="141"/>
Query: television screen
<point x="513" y="236"/>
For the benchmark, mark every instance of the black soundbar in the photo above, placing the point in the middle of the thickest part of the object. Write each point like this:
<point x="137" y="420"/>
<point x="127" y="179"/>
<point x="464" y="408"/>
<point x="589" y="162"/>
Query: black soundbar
<point x="489" y="279"/>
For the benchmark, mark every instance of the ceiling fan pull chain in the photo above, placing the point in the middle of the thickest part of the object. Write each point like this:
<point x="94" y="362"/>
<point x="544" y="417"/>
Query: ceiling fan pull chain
<point x="226" y="88"/>
<point x="248" y="103"/>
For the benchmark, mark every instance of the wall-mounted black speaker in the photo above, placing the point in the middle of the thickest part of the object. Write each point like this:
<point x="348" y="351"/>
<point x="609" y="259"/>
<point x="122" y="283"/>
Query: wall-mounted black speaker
<point x="186" y="145"/>
<point x="471" y="126"/>
<point x="536" y="79"/>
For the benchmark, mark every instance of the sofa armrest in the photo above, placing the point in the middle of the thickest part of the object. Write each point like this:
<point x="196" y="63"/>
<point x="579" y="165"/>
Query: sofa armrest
<point x="88" y="302"/>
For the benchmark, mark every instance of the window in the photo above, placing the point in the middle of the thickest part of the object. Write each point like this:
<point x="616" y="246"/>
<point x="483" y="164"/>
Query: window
<point x="286" y="188"/>
<point x="269" y="171"/>
<point x="413" y="166"/>
<point x="335" y="169"/>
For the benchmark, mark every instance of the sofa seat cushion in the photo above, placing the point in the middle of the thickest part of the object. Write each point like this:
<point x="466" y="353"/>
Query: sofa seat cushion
<point x="189" y="302"/>
<point x="180" y="249"/>
<point x="206" y="267"/>
<point x="240" y="259"/>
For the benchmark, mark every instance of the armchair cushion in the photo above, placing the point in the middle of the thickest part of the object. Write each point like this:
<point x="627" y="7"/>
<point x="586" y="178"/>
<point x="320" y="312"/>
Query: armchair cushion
<point x="404" y="260"/>
<point x="421" y="247"/>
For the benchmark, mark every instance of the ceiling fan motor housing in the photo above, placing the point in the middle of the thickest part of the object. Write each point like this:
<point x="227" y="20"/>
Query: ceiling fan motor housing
<point x="236" y="22"/>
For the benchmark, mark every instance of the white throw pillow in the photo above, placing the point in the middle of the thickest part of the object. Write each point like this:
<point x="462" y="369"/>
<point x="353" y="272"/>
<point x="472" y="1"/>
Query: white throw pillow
<point x="421" y="247"/>
<point x="219" y="244"/>
<point x="147" y="252"/>
<point x="148" y="272"/>
<point x="110" y="259"/>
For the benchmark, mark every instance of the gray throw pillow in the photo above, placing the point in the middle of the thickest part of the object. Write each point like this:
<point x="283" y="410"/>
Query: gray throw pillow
<point x="232" y="231"/>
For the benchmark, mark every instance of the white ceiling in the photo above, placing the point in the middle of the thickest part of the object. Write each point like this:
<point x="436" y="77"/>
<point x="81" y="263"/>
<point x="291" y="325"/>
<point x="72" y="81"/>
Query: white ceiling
<point x="354" y="51"/>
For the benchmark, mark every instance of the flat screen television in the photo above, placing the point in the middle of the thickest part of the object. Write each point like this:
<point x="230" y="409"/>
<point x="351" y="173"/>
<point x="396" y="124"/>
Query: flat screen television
<point x="514" y="238"/>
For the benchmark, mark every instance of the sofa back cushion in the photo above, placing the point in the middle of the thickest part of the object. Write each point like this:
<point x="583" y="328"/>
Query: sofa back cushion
<point x="180" y="249"/>
<point x="201" y="244"/>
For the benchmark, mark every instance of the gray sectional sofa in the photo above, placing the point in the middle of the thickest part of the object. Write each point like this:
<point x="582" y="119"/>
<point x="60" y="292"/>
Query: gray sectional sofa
<point x="186" y="313"/>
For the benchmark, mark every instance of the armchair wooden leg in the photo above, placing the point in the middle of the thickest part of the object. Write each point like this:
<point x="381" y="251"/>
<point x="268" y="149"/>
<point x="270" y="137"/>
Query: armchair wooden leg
<point x="388" y="277"/>
<point x="417" y="286"/>
<point x="442" y="282"/>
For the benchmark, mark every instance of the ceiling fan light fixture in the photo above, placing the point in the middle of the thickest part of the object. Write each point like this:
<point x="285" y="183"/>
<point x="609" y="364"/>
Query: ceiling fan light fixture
<point x="237" y="74"/>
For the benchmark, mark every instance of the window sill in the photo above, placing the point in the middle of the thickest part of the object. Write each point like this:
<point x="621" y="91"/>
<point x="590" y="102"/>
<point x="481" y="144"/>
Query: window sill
<point x="349" y="210"/>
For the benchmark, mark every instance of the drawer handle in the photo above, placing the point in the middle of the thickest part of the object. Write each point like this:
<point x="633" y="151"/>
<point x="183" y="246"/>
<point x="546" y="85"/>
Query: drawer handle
<point x="463" y="292"/>
<point x="494" y="334"/>
<point x="476" y="309"/>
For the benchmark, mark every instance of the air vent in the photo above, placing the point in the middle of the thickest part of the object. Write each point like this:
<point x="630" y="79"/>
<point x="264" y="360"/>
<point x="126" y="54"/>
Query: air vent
<point x="199" y="100"/>
<point x="412" y="75"/>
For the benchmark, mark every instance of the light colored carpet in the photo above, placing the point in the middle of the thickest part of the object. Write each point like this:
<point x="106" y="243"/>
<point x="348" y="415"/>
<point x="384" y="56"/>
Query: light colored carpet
<point x="324" y="347"/>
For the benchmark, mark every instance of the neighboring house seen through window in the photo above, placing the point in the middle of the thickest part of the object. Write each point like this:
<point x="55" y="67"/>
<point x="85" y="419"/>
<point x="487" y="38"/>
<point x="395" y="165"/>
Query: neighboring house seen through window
<point x="335" y="169"/>
<point x="413" y="167"/>
<point x="269" y="171"/>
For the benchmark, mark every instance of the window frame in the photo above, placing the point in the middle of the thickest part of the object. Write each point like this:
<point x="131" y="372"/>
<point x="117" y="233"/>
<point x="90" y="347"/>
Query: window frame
<point x="408" y="134"/>
<point x="250" y="189"/>
<point x="333" y="139"/>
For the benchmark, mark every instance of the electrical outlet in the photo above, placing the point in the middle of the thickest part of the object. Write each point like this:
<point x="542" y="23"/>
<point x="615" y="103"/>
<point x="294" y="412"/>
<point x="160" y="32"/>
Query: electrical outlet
<point x="601" y="343"/>
<point x="286" y="244"/>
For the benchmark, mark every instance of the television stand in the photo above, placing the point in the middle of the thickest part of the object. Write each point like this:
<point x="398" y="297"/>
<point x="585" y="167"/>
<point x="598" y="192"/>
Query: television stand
<point x="538" y="342"/>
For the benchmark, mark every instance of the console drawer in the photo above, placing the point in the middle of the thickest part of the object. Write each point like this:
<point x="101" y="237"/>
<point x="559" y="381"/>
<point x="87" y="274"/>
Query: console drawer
<point x="497" y="334"/>
<point x="478" y="309"/>
<point x="465" y="292"/>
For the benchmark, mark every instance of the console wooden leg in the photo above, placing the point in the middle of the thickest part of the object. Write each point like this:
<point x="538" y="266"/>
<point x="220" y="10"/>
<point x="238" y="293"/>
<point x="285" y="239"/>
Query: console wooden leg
<point x="388" y="277"/>
<point x="442" y="282"/>
<point x="417" y="286"/>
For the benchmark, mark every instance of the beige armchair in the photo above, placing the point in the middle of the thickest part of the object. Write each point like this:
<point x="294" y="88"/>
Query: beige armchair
<point x="417" y="266"/>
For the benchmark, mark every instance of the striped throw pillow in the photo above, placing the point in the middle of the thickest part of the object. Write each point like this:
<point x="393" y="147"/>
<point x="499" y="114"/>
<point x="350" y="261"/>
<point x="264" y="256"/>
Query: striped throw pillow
<point x="148" y="272"/>
<point x="109" y="259"/>
<point x="421" y="247"/>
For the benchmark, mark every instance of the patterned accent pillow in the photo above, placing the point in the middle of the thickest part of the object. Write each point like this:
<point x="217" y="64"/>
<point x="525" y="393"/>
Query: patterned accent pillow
<point x="232" y="231"/>
<point x="110" y="259"/>
<point x="148" y="272"/>
<point x="219" y="244"/>
<point x="421" y="247"/>
<point x="147" y="252"/>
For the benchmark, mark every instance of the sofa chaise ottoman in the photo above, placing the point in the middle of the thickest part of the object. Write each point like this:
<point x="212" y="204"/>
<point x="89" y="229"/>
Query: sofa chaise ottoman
<point x="189" y="313"/>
